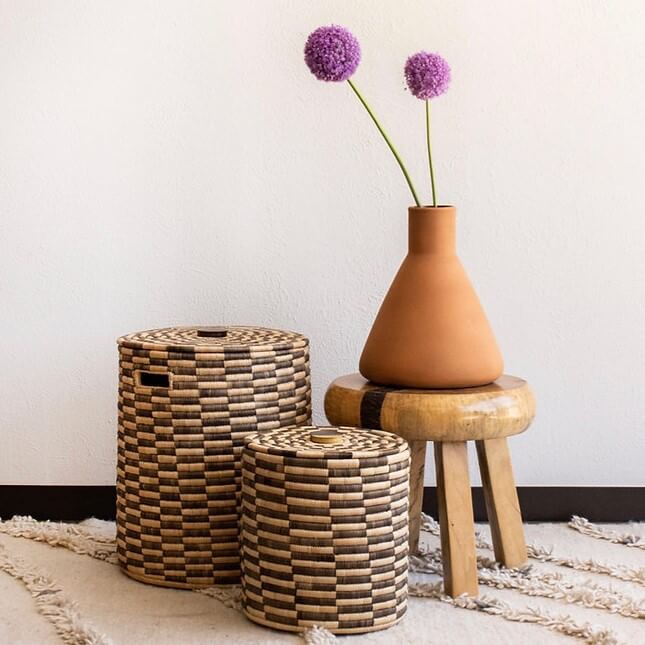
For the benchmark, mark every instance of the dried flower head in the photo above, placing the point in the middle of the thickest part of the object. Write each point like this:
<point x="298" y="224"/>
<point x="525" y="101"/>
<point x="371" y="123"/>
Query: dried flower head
<point x="332" y="53"/>
<point x="427" y="75"/>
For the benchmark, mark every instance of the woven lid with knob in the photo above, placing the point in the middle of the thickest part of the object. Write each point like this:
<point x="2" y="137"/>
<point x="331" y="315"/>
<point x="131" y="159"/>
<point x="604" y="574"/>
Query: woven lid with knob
<point x="207" y="338"/>
<point x="327" y="442"/>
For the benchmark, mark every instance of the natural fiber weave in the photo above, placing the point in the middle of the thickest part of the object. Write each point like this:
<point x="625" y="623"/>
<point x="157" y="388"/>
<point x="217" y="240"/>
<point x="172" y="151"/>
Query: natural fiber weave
<point x="180" y="442"/>
<point x="325" y="530"/>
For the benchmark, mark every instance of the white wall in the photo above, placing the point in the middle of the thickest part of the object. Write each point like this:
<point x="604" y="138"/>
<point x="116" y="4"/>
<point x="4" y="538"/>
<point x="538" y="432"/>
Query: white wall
<point x="174" y="163"/>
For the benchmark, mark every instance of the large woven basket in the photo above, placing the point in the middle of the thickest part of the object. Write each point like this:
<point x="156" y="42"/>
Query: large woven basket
<point x="188" y="397"/>
<point x="325" y="529"/>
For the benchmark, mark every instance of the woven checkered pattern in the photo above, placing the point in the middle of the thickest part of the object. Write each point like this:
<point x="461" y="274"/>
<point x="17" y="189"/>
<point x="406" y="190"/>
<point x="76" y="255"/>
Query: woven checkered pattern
<point x="180" y="443"/>
<point x="325" y="530"/>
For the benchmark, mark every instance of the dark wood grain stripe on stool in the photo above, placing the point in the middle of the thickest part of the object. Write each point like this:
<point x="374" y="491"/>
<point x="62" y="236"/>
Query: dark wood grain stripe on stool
<point x="371" y="406"/>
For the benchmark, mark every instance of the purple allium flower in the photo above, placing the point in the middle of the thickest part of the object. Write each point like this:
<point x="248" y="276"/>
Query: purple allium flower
<point x="332" y="53"/>
<point x="427" y="75"/>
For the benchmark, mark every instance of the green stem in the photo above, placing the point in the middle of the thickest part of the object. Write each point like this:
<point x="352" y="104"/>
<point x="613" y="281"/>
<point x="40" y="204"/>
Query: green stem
<point x="434" y="192"/>
<point x="387" y="140"/>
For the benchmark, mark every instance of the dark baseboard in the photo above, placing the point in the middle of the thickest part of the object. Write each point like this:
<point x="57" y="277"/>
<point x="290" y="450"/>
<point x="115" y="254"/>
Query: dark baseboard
<point x="58" y="502"/>
<point x="559" y="503"/>
<point x="539" y="503"/>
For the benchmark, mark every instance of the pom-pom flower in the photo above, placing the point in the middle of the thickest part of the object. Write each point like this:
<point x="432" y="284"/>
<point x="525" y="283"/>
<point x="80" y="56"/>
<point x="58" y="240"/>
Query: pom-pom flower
<point x="427" y="75"/>
<point x="332" y="53"/>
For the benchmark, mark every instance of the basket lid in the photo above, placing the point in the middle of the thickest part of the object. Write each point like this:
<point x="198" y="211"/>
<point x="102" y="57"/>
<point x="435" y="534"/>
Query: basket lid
<point x="328" y="442"/>
<point x="221" y="338"/>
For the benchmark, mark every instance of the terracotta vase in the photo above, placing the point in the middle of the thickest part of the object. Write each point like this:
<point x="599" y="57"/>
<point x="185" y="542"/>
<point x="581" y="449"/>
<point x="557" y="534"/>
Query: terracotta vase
<point x="431" y="330"/>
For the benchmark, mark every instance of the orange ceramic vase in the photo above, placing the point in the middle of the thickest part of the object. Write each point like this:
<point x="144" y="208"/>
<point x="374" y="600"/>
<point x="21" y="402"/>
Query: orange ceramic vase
<point x="431" y="330"/>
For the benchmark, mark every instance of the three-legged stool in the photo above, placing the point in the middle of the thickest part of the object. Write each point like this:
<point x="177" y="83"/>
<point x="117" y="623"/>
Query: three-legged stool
<point x="450" y="418"/>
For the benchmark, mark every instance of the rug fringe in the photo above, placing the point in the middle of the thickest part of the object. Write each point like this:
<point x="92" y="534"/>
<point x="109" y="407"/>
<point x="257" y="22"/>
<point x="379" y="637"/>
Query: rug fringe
<point x="52" y="603"/>
<point x="74" y="537"/>
<point x="544" y="585"/>
<point x="586" y="527"/>
<point x="594" y="635"/>
<point x="318" y="635"/>
<point x="544" y="554"/>
<point x="627" y="574"/>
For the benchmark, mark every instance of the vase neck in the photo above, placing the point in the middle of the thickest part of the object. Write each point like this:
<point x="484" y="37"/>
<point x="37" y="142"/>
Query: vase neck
<point x="432" y="230"/>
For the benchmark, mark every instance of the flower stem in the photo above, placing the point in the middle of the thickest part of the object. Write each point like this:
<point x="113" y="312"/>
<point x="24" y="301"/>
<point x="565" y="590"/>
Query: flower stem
<point x="434" y="192"/>
<point x="387" y="140"/>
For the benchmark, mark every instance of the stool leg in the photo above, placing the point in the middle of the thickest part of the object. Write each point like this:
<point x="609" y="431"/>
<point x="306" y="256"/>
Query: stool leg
<point x="417" y="469"/>
<point x="456" y="519"/>
<point x="502" y="505"/>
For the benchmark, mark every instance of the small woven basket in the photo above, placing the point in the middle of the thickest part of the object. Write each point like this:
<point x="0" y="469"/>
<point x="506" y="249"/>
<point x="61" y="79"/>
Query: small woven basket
<point x="325" y="529"/>
<point x="188" y="397"/>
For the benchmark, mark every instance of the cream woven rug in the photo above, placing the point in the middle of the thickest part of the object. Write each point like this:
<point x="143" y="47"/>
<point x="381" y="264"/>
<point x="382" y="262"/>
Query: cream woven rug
<point x="59" y="583"/>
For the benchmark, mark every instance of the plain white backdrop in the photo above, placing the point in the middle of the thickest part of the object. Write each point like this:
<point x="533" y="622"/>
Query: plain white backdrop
<point x="169" y="162"/>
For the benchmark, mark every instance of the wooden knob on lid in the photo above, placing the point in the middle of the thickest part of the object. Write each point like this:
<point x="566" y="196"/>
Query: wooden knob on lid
<point x="212" y="332"/>
<point x="328" y="437"/>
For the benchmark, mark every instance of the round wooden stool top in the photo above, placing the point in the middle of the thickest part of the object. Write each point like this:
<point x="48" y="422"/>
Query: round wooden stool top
<point x="500" y="409"/>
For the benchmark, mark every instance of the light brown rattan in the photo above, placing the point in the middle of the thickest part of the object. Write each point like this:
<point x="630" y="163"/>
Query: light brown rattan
<point x="325" y="530"/>
<point x="179" y="447"/>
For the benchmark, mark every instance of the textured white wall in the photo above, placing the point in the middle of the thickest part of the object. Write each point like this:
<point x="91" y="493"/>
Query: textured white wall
<point x="174" y="163"/>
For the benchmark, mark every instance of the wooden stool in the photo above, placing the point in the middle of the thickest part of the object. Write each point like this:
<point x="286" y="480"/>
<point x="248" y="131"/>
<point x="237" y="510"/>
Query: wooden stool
<point x="450" y="418"/>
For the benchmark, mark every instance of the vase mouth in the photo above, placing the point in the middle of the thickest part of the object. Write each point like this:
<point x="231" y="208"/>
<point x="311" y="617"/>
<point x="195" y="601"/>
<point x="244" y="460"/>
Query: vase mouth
<point x="429" y="207"/>
<point x="430" y="213"/>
